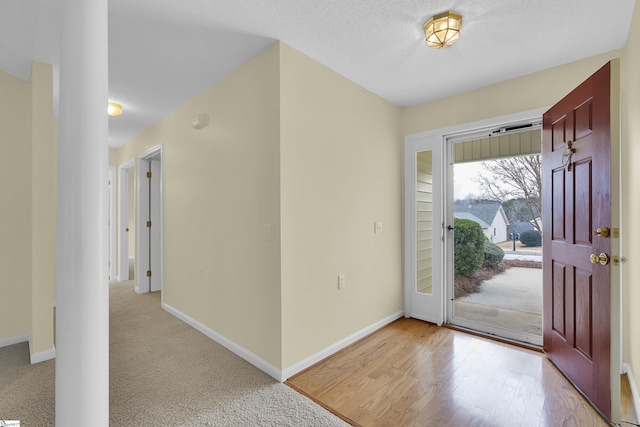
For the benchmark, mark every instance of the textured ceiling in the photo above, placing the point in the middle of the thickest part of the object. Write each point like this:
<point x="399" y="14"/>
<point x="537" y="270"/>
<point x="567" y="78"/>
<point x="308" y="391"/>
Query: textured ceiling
<point x="163" y="52"/>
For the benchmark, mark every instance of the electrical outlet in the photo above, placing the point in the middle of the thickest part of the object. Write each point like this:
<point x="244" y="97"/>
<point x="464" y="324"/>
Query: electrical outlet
<point x="341" y="281"/>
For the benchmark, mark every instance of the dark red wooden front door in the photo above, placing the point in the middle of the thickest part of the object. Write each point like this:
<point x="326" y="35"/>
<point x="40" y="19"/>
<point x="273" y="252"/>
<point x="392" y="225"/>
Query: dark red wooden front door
<point x="576" y="183"/>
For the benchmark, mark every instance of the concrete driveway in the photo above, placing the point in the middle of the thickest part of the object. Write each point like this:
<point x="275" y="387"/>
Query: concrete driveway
<point x="512" y="300"/>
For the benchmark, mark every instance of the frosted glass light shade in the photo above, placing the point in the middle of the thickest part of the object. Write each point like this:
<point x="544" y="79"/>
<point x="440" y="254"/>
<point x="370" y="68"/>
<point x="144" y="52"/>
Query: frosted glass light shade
<point x="443" y="30"/>
<point x="114" y="109"/>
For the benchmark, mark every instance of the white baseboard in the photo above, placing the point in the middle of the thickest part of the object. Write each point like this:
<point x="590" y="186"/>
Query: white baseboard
<point x="267" y="367"/>
<point x="626" y="369"/>
<point x="129" y="261"/>
<point x="41" y="356"/>
<point x="256" y="361"/>
<point x="4" y="342"/>
<point x="334" y="348"/>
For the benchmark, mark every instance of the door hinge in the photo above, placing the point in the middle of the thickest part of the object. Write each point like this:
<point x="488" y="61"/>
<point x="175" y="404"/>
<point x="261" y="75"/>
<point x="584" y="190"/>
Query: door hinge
<point x="148" y="273"/>
<point x="149" y="174"/>
<point x="149" y="224"/>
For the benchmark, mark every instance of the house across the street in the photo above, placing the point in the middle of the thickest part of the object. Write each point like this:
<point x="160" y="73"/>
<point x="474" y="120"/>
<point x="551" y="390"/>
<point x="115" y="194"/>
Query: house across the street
<point x="490" y="215"/>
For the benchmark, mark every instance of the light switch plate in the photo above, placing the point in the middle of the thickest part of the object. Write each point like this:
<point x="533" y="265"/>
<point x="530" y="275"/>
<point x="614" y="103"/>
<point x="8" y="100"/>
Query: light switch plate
<point x="377" y="227"/>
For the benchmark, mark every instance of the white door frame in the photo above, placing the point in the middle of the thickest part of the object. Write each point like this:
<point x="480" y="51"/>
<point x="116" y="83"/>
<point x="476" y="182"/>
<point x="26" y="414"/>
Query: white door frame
<point x="112" y="223"/>
<point x="438" y="311"/>
<point x="155" y="238"/>
<point x="123" y="219"/>
<point x="142" y="284"/>
<point x="469" y="131"/>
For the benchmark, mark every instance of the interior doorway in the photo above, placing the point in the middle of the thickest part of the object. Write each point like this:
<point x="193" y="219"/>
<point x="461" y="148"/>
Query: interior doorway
<point x="126" y="221"/>
<point x="148" y="275"/>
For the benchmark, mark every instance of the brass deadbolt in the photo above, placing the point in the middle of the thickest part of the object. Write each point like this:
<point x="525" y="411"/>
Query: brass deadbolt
<point x="602" y="232"/>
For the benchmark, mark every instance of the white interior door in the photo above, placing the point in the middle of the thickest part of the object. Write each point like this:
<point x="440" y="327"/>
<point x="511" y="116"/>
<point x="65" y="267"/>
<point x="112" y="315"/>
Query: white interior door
<point x="112" y="223"/>
<point x="424" y="289"/>
<point x="155" y="231"/>
<point x="141" y="276"/>
<point x="123" y="239"/>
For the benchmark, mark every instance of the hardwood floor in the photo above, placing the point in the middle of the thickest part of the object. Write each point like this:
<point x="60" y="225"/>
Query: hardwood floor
<point x="412" y="373"/>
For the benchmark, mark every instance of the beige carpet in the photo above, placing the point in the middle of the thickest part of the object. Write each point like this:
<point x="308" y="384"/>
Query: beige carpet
<point x="162" y="372"/>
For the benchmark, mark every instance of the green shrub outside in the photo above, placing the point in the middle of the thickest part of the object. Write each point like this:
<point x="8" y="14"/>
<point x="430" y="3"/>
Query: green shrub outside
<point x="493" y="254"/>
<point x="531" y="238"/>
<point x="469" y="246"/>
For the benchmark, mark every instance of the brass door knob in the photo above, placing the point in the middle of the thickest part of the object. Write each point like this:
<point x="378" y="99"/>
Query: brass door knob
<point x="602" y="232"/>
<point x="602" y="259"/>
<point x="127" y="229"/>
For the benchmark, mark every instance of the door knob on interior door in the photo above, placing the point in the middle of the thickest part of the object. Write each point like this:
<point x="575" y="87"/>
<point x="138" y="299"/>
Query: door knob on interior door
<point x="602" y="259"/>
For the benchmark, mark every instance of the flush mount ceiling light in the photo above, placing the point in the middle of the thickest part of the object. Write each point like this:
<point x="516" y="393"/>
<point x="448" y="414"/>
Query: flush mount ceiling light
<point x="443" y="30"/>
<point x="114" y="109"/>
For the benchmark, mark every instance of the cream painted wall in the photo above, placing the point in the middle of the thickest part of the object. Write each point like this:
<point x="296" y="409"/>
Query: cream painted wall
<point x="220" y="187"/>
<point x="529" y="92"/>
<point x="222" y="184"/>
<point x="114" y="156"/>
<point x="28" y="168"/>
<point x="43" y="202"/>
<point x="630" y="93"/>
<point x="341" y="170"/>
<point x="15" y="215"/>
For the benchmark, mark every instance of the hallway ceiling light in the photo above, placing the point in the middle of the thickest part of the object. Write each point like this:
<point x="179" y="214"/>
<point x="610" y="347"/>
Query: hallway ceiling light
<point x="443" y="30"/>
<point x="114" y="109"/>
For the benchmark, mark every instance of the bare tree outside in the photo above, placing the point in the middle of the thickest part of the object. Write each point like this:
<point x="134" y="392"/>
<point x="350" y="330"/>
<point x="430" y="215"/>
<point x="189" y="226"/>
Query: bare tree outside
<point x="516" y="182"/>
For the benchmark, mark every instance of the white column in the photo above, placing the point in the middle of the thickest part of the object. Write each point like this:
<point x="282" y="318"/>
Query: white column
<point x="82" y="300"/>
